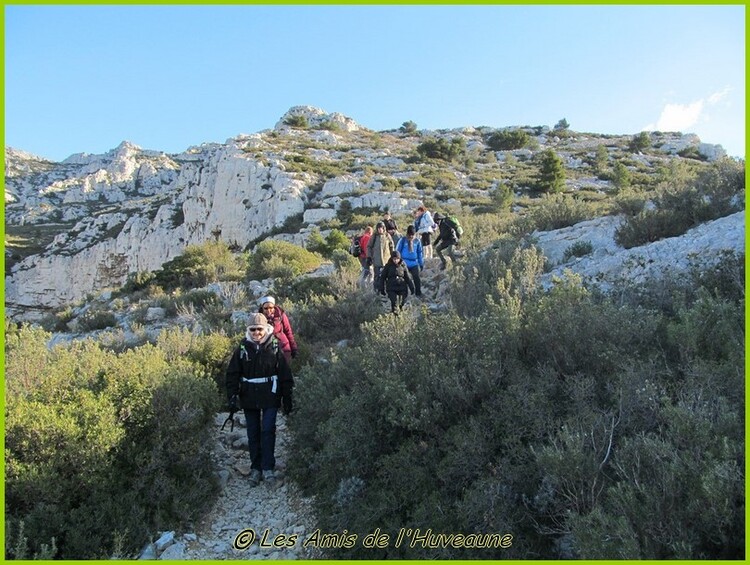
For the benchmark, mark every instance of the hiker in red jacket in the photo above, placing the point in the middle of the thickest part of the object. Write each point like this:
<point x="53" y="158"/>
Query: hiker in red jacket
<point x="282" y="329"/>
<point x="364" y="239"/>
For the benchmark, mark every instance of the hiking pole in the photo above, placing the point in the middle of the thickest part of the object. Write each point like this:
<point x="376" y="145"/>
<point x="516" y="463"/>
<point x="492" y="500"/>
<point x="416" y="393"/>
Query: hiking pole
<point x="232" y="411"/>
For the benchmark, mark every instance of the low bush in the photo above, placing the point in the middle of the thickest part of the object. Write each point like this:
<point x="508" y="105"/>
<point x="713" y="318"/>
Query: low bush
<point x="442" y="149"/>
<point x="96" y="319"/>
<point x="583" y="425"/>
<point x="199" y="265"/>
<point x="578" y="249"/>
<point x="712" y="193"/>
<point x="336" y="240"/>
<point x="102" y="449"/>
<point x="555" y="211"/>
<point x="279" y="259"/>
<point x="508" y="140"/>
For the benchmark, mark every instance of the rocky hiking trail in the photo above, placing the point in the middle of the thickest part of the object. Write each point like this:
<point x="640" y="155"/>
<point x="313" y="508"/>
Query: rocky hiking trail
<point x="279" y="514"/>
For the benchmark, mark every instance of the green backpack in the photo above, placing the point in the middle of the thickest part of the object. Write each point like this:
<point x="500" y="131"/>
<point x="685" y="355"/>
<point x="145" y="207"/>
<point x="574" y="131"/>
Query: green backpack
<point x="456" y="225"/>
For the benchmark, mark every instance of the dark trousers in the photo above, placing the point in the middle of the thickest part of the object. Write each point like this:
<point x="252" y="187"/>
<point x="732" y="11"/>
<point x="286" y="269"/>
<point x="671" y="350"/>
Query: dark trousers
<point x="414" y="272"/>
<point x="376" y="277"/>
<point x="398" y="299"/>
<point x="445" y="245"/>
<point x="261" y="437"/>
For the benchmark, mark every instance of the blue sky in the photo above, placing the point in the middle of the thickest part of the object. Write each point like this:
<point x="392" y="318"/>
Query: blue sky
<point x="85" y="78"/>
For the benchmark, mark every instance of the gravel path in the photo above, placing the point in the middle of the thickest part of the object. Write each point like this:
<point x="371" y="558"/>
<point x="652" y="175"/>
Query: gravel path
<point x="246" y="522"/>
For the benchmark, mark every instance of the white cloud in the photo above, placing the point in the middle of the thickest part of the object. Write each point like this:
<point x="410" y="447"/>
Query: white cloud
<point x="679" y="117"/>
<point x="717" y="97"/>
<point x="682" y="117"/>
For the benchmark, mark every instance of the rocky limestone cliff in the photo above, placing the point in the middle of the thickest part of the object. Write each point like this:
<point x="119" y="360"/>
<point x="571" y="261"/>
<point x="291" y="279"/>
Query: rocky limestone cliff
<point x="97" y="218"/>
<point x="609" y="263"/>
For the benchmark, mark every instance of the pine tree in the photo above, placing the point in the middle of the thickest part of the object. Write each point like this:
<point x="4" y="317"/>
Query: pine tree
<point x="551" y="173"/>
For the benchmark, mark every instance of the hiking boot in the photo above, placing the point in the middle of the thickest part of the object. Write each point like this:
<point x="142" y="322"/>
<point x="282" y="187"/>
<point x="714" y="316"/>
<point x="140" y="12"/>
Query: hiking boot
<point x="254" y="478"/>
<point x="442" y="266"/>
<point x="269" y="477"/>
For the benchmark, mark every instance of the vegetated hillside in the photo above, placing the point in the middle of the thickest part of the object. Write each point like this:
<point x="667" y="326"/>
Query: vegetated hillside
<point x="584" y="424"/>
<point x="85" y="224"/>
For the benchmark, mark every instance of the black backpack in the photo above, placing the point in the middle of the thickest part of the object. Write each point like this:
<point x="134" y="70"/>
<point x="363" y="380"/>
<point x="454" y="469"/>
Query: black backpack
<point x="355" y="248"/>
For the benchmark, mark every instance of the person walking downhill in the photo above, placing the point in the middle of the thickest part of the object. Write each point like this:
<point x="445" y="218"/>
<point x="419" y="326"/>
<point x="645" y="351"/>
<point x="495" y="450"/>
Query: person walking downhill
<point x="379" y="250"/>
<point x="445" y="240"/>
<point x="259" y="381"/>
<point x="364" y="239"/>
<point x="282" y="329"/>
<point x="396" y="281"/>
<point x="412" y="255"/>
<point x="390" y="227"/>
<point x="425" y="227"/>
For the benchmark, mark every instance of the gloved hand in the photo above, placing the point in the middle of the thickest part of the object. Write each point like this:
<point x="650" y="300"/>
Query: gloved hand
<point x="234" y="404"/>
<point x="368" y="261"/>
<point x="286" y="405"/>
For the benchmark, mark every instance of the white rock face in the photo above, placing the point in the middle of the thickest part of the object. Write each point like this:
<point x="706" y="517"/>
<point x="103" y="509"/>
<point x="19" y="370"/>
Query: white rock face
<point x="316" y="117"/>
<point x="225" y="193"/>
<point x="317" y="215"/>
<point x="340" y="185"/>
<point x="100" y="218"/>
<point x="600" y="232"/>
<point x="610" y="263"/>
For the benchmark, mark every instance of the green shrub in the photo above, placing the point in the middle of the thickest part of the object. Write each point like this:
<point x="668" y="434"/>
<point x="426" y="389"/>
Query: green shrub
<point x="138" y="281"/>
<point x="199" y="265"/>
<point x="715" y="192"/>
<point x="505" y="274"/>
<point x="298" y="121"/>
<point x="344" y="261"/>
<point x="436" y="179"/>
<point x="336" y="240"/>
<point x="554" y="212"/>
<point x="551" y="175"/>
<point x="443" y="149"/>
<point x="96" y="319"/>
<point x="621" y="177"/>
<point x="640" y="142"/>
<point x="584" y="425"/>
<point x="562" y="125"/>
<point x="502" y="198"/>
<point x="578" y="249"/>
<point x="102" y="448"/>
<point x="408" y="127"/>
<point x="272" y="258"/>
<point x="508" y="140"/>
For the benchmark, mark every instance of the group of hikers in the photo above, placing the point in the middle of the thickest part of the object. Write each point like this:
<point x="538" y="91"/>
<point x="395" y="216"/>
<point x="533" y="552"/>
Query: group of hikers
<point x="393" y="262"/>
<point x="259" y="377"/>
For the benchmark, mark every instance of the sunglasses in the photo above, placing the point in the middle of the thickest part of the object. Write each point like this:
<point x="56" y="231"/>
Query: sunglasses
<point x="268" y="307"/>
<point x="253" y="330"/>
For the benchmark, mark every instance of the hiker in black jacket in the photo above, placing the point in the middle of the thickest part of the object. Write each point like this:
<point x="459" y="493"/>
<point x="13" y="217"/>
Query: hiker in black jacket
<point x="445" y="240"/>
<point x="260" y="381"/>
<point x="396" y="280"/>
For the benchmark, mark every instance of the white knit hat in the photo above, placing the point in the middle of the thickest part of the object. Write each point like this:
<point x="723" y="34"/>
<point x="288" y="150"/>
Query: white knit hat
<point x="266" y="300"/>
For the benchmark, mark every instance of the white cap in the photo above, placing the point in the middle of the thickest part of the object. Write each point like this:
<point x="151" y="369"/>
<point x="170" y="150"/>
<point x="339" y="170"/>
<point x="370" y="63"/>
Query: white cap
<point x="266" y="300"/>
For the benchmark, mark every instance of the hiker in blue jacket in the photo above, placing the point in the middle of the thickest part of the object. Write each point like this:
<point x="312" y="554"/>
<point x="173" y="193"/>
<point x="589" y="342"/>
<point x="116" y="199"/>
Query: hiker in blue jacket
<point x="410" y="248"/>
<point x="260" y="381"/>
